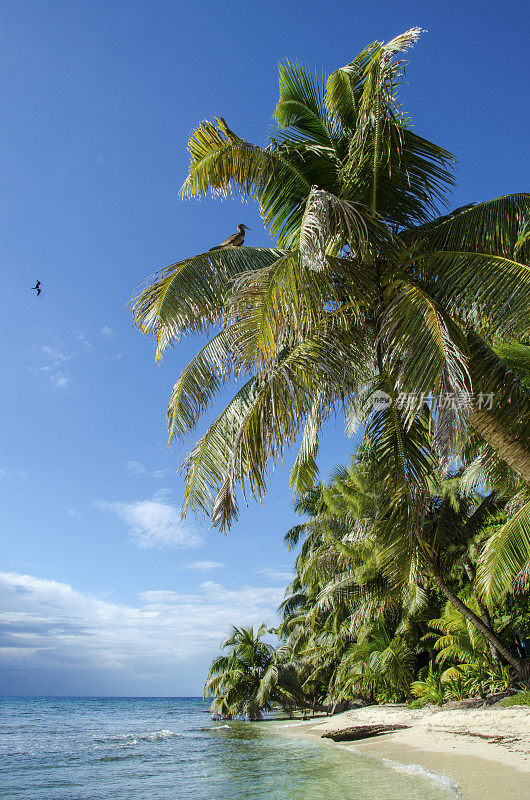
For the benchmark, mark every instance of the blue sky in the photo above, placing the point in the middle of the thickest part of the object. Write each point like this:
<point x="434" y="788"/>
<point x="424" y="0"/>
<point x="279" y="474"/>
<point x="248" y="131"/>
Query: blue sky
<point x="103" y="589"/>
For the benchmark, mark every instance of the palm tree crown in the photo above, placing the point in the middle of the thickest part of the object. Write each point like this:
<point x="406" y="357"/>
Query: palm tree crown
<point x="367" y="291"/>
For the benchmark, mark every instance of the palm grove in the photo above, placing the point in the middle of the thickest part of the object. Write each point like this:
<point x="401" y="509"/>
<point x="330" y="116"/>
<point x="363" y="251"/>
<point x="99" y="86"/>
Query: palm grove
<point x="413" y="570"/>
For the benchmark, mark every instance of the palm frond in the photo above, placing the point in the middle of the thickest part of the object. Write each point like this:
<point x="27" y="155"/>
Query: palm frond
<point x="425" y="353"/>
<point x="305" y="470"/>
<point x="286" y="302"/>
<point x="516" y="356"/>
<point x="396" y="173"/>
<point x="484" y="290"/>
<point x="397" y="448"/>
<point x="344" y="88"/>
<point x="259" y="423"/>
<point x="505" y="555"/>
<point x="198" y="384"/>
<point x="510" y="398"/>
<point x="224" y="163"/>
<point x="495" y="227"/>
<point x="301" y="106"/>
<point x="190" y="296"/>
<point x="327" y="216"/>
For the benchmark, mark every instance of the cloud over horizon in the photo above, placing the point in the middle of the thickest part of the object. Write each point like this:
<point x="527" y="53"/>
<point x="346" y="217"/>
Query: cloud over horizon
<point x="51" y="632"/>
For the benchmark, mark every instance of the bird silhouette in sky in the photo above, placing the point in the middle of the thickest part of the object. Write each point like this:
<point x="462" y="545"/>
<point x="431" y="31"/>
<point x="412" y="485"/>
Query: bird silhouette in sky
<point x="37" y="287"/>
<point x="235" y="240"/>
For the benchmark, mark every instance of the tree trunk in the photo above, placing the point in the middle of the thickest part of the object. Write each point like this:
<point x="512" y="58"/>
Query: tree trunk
<point x="521" y="666"/>
<point x="424" y="630"/>
<point x="484" y="613"/>
<point x="516" y="455"/>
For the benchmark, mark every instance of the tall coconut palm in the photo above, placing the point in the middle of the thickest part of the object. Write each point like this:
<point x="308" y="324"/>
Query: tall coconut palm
<point x="505" y="561"/>
<point x="366" y="292"/>
<point x="450" y="534"/>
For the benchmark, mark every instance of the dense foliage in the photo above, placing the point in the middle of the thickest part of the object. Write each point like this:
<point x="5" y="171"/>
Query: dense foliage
<point x="366" y="634"/>
<point x="351" y="630"/>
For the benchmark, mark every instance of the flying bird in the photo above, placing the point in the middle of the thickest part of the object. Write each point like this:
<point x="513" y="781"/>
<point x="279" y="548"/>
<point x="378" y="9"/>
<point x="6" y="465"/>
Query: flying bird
<point x="37" y="287"/>
<point x="235" y="240"/>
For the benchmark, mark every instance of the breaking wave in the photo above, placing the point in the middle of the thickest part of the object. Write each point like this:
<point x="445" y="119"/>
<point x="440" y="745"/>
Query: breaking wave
<point x="130" y="739"/>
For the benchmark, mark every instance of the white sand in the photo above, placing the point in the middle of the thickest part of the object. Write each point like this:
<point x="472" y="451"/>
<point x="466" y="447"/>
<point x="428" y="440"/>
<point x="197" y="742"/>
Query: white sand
<point x="485" y="751"/>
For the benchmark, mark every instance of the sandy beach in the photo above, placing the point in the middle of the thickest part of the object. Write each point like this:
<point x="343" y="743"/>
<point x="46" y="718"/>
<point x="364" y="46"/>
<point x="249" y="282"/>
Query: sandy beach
<point x="484" y="751"/>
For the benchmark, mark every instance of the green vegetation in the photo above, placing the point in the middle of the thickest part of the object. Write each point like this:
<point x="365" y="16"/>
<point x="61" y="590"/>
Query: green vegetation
<point x="519" y="699"/>
<point x="412" y="577"/>
<point x="250" y="677"/>
<point x="355" y="627"/>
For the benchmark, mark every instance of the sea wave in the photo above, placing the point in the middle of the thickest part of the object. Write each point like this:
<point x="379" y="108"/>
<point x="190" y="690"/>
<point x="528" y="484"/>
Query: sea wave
<point x="129" y="739"/>
<point x="422" y="772"/>
<point x="156" y="735"/>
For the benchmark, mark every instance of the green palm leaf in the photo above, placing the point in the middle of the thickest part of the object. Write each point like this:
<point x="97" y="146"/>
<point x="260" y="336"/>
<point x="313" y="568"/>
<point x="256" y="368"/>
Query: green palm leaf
<point x="496" y="227"/>
<point x="506" y="555"/>
<point x="423" y="353"/>
<point x="190" y="296"/>
<point x="499" y="288"/>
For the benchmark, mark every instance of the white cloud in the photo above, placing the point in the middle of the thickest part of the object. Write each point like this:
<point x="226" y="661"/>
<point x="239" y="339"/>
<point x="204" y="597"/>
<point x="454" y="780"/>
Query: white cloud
<point x="60" y="380"/>
<point x="106" y="331"/>
<point x="154" y="524"/>
<point x="84" y="341"/>
<point x="203" y="566"/>
<point x="162" y="494"/>
<point x="49" y="631"/>
<point x="253" y="595"/>
<point x="273" y="574"/>
<point x="135" y="467"/>
<point x="56" y="355"/>
<point x="57" y="359"/>
<point x="72" y="513"/>
<point x="12" y="473"/>
<point x="160" y="473"/>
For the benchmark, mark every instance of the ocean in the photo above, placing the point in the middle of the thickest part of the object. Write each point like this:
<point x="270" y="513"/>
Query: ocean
<point x="65" y="748"/>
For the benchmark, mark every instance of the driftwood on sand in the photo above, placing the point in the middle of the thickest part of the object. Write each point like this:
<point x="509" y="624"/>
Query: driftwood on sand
<point x="361" y="732"/>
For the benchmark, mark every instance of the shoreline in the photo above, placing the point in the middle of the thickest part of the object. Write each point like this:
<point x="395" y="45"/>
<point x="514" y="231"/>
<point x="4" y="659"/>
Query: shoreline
<point x="480" y="751"/>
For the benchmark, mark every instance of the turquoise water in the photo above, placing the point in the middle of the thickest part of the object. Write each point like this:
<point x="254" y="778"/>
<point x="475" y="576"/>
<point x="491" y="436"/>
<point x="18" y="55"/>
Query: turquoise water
<point x="168" y="749"/>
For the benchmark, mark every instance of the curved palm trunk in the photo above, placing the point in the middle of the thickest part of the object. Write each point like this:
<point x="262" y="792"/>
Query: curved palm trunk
<point x="521" y="666"/>
<point x="484" y="613"/>
<point x="516" y="455"/>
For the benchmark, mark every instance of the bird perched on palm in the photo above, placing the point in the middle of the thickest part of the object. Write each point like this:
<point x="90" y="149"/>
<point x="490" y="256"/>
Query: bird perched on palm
<point x="235" y="239"/>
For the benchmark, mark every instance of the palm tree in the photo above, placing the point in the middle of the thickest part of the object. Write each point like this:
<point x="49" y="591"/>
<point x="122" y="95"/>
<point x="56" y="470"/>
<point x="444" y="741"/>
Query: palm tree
<point x="380" y="661"/>
<point x="505" y="560"/>
<point x="367" y="291"/>
<point x="250" y="677"/>
<point x="461" y="645"/>
<point x="234" y="678"/>
<point x="366" y="568"/>
<point x="357" y="633"/>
